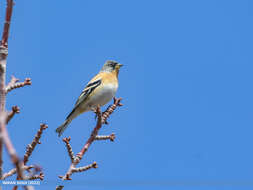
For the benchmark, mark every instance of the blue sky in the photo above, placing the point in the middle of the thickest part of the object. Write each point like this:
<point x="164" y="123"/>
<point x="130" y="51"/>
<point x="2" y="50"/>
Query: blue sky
<point x="186" y="87"/>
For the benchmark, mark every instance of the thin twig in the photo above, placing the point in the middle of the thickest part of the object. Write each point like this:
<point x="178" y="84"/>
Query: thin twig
<point x="69" y="148"/>
<point x="30" y="147"/>
<point x="106" y="114"/>
<point x="13" y="81"/>
<point x="33" y="177"/>
<point x="84" y="168"/>
<point x="15" y="110"/>
<point x="14" y="170"/>
<point x="110" y="137"/>
<point x="18" y="85"/>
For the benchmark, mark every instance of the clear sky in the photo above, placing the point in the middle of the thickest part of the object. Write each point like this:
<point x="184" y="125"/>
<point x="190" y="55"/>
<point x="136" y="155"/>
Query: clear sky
<point x="186" y="87"/>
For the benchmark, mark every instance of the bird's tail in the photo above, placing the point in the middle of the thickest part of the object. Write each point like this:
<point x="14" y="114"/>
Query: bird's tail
<point x="62" y="128"/>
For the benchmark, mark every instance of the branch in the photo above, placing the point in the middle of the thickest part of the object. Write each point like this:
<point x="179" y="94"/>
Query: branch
<point x="10" y="148"/>
<point x="4" y="137"/>
<point x="93" y="135"/>
<point x="28" y="153"/>
<point x="80" y="169"/>
<point x="3" y="56"/>
<point x="33" y="177"/>
<point x="85" y="148"/>
<point x="14" y="84"/>
<point x="69" y="148"/>
<point x="7" y="23"/>
<point x="15" y="110"/>
<point x="84" y="168"/>
<point x="30" y="147"/>
<point x="13" y="81"/>
<point x="106" y="114"/>
<point x="14" y="170"/>
<point x="101" y="119"/>
<point x="110" y="137"/>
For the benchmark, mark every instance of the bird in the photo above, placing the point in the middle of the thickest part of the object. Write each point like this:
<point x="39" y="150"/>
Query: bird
<point x="98" y="92"/>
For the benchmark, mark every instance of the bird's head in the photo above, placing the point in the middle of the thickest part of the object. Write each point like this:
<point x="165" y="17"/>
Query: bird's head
<point x="111" y="66"/>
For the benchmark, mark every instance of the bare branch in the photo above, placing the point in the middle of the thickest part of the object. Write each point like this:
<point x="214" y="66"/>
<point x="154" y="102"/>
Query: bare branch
<point x="3" y="55"/>
<point x="15" y="110"/>
<point x="81" y="169"/>
<point x="10" y="148"/>
<point x="84" y="168"/>
<point x="110" y="109"/>
<point x="85" y="147"/>
<point x="110" y="137"/>
<point x="14" y="170"/>
<point x="101" y="119"/>
<point x="91" y="139"/>
<point x="18" y="84"/>
<point x="7" y="23"/>
<point x="33" y="177"/>
<point x="28" y="153"/>
<point x="4" y="137"/>
<point x="30" y="147"/>
<point x="13" y="81"/>
<point x="69" y="148"/>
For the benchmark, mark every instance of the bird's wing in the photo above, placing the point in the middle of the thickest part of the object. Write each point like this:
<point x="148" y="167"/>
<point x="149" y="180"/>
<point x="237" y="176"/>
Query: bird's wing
<point x="85" y="93"/>
<point x="91" y="86"/>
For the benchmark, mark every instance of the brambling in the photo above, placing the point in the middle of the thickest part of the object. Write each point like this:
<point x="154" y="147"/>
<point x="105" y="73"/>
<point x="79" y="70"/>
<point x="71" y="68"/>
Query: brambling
<point x="99" y="91"/>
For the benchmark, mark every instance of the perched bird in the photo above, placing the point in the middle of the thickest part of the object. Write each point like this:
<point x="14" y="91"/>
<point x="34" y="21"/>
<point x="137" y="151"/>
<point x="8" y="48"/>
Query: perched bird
<point x="99" y="91"/>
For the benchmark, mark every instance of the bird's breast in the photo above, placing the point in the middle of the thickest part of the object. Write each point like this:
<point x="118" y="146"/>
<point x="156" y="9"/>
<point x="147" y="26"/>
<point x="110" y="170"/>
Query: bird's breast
<point x="103" y="95"/>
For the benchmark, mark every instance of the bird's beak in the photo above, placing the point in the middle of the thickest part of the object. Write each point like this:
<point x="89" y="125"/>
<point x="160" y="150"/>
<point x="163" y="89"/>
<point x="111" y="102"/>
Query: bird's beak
<point x="120" y="65"/>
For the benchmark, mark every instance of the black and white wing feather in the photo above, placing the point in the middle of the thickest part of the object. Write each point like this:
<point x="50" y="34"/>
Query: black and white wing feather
<point x="85" y="93"/>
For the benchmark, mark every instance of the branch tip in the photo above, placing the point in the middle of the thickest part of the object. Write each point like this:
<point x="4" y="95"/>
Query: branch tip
<point x="66" y="139"/>
<point x="94" y="165"/>
<point x="43" y="126"/>
<point x="15" y="109"/>
<point x="112" y="137"/>
<point x="28" y="81"/>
